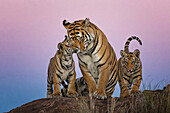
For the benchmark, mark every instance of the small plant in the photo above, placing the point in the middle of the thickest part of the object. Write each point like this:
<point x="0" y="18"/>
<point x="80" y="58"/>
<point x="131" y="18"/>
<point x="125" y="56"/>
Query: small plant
<point x="153" y="85"/>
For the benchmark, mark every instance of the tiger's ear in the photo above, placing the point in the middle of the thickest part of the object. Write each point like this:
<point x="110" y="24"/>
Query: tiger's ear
<point x="66" y="23"/>
<point x="86" y="22"/>
<point x="82" y="80"/>
<point x="122" y="53"/>
<point x="136" y="53"/>
<point x="65" y="37"/>
<point x="58" y="52"/>
<point x="60" y="46"/>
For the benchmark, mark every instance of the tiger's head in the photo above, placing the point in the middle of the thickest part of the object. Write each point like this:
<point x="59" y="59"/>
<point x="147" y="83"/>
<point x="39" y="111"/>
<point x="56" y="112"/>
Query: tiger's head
<point x="65" y="54"/>
<point x="130" y="61"/>
<point x="80" y="35"/>
<point x="66" y="47"/>
<point x="81" y="86"/>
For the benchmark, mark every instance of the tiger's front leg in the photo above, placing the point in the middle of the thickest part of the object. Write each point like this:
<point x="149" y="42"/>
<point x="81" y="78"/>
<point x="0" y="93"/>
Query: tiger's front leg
<point x="124" y="88"/>
<point x="102" y="83"/>
<point x="71" y="87"/>
<point x="57" y="89"/>
<point x="89" y="80"/>
<point x="136" y="84"/>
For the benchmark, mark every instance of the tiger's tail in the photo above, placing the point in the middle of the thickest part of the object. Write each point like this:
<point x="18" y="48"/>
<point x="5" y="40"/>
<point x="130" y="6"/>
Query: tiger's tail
<point x="126" y="48"/>
<point x="49" y="80"/>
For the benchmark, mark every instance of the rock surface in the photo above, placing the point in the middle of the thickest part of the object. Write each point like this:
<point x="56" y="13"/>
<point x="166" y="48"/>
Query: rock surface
<point x="147" y="102"/>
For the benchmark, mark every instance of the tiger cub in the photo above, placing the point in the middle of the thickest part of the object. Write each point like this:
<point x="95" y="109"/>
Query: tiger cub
<point x="81" y="88"/>
<point x="129" y="69"/>
<point x="61" y="67"/>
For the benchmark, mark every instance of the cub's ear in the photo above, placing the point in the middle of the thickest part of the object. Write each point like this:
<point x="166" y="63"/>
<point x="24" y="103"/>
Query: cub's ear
<point x="58" y="52"/>
<point x="60" y="46"/>
<point x="122" y="53"/>
<point x="65" y="23"/>
<point x="136" y="53"/>
<point x="86" y="22"/>
<point x="65" y="37"/>
<point x="82" y="80"/>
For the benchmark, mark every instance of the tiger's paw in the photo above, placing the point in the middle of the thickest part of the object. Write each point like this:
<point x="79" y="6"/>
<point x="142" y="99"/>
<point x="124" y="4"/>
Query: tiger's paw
<point x="135" y="92"/>
<point x="56" y="95"/>
<point x="100" y="95"/>
<point x="50" y="96"/>
<point x="72" y="94"/>
<point x="125" y="94"/>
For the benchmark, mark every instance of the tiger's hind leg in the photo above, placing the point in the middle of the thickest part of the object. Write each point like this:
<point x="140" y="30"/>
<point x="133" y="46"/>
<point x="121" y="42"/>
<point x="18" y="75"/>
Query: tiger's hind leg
<point x="49" y="87"/>
<point x="57" y="89"/>
<point x="112" y="83"/>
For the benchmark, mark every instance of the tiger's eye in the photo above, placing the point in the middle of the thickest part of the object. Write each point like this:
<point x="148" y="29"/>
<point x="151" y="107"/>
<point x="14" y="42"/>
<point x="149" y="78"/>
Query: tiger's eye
<point x="71" y="33"/>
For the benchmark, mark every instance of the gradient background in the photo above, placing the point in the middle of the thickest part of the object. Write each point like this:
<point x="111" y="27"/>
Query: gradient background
<point x="31" y="29"/>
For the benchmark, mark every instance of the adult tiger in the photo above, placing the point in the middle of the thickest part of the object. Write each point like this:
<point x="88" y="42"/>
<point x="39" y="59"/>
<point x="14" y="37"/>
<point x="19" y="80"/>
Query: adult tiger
<point x="129" y="69"/>
<point x="61" y="67"/>
<point x="97" y="59"/>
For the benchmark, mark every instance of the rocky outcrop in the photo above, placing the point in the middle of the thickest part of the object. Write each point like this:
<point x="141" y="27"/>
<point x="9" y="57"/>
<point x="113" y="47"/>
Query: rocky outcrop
<point x="146" y="102"/>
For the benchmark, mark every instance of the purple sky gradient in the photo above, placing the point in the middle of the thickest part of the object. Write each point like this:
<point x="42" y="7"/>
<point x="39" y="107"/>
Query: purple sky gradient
<point x="30" y="31"/>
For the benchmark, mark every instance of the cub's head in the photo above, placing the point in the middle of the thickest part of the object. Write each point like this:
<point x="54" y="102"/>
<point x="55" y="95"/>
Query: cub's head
<point x="81" y="86"/>
<point x="66" y="47"/>
<point x="65" y="54"/>
<point x="80" y="35"/>
<point x="130" y="61"/>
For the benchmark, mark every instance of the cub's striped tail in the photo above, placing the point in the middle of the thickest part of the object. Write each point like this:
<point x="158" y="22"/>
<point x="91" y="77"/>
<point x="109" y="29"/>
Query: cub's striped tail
<point x="51" y="71"/>
<point x="126" y="48"/>
<point x="49" y="82"/>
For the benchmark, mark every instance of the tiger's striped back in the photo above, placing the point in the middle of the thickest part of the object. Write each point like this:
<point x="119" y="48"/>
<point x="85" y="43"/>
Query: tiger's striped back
<point x="129" y="69"/>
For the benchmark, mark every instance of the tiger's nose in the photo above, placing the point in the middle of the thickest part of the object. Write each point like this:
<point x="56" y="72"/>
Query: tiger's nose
<point x="60" y="46"/>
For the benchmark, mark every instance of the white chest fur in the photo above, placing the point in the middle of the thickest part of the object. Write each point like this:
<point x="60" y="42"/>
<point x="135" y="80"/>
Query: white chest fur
<point x="65" y="74"/>
<point x="92" y="68"/>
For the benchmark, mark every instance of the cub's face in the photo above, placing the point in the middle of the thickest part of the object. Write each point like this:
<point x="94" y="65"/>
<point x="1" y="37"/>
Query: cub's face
<point x="65" y="47"/>
<point x="130" y="61"/>
<point x="81" y="85"/>
<point x="65" y="54"/>
<point x="78" y="35"/>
